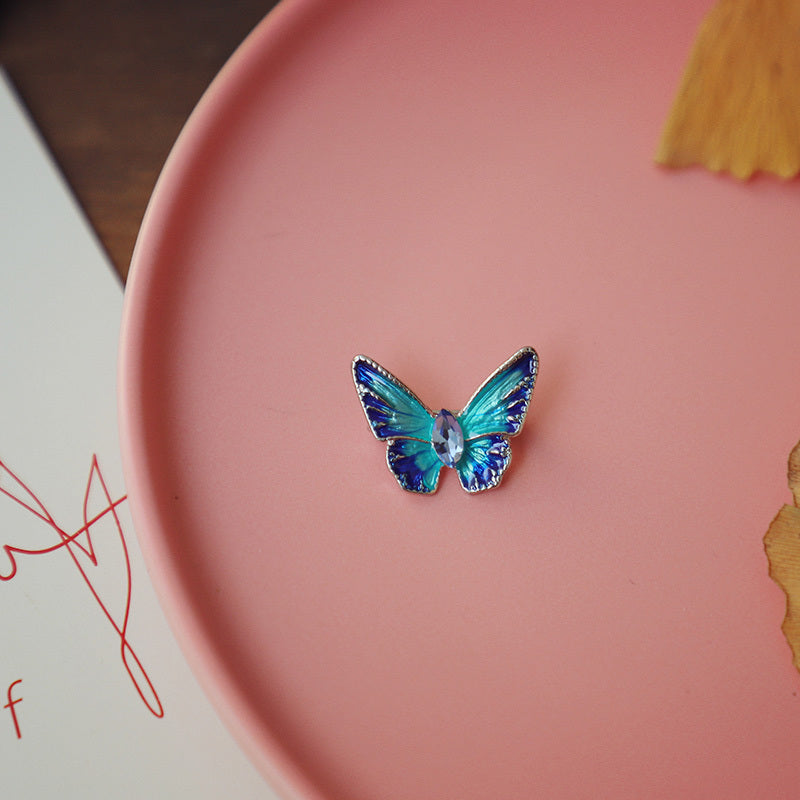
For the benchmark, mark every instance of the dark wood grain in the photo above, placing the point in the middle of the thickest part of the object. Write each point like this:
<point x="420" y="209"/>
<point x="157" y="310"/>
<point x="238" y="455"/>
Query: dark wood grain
<point x="110" y="83"/>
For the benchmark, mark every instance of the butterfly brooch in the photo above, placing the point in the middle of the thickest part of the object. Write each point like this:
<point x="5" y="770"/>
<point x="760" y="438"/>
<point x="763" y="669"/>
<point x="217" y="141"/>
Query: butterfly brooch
<point x="473" y="442"/>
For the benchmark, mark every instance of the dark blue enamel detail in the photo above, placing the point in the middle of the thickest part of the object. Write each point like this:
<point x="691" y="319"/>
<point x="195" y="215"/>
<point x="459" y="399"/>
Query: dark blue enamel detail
<point x="392" y="410"/>
<point x="483" y="462"/>
<point x="415" y="465"/>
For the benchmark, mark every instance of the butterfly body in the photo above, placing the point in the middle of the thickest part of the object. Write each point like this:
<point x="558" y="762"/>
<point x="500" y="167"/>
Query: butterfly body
<point x="447" y="438"/>
<point x="473" y="442"/>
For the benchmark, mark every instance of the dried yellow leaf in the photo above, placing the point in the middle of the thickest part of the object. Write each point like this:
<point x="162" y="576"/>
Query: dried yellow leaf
<point x="738" y="106"/>
<point x="782" y="545"/>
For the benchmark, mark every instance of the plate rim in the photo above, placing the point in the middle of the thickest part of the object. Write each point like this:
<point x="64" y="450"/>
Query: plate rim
<point x="260" y="745"/>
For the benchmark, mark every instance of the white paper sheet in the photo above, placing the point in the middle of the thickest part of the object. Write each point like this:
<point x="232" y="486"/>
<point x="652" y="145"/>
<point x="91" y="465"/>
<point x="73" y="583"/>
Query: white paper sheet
<point x="96" y="699"/>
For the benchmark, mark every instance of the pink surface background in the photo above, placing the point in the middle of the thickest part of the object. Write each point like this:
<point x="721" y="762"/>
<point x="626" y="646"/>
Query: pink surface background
<point x="436" y="185"/>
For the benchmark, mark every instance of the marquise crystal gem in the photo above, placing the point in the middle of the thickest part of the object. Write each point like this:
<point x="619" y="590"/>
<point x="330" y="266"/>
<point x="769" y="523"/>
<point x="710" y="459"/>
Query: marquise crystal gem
<point x="447" y="438"/>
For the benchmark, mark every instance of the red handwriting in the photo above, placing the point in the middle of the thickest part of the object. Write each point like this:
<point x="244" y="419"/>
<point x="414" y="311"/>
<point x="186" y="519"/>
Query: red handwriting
<point x="80" y="548"/>
<point x="10" y="706"/>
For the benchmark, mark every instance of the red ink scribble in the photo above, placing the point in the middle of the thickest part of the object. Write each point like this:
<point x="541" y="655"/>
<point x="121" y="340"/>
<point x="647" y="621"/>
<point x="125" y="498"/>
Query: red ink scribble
<point x="12" y="701"/>
<point x="22" y="494"/>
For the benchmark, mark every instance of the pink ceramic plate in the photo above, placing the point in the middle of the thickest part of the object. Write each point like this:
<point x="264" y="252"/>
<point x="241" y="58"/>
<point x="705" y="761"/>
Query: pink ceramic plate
<point x="436" y="185"/>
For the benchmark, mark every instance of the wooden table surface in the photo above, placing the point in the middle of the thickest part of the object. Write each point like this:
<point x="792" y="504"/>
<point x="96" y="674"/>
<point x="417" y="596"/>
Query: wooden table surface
<point x="110" y="83"/>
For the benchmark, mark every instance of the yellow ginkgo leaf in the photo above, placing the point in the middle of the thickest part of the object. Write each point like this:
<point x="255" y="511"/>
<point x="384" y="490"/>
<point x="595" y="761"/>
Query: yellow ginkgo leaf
<point x="738" y="106"/>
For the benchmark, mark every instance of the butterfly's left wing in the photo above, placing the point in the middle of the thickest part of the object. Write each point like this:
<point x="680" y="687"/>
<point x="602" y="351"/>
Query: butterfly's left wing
<point x="398" y="417"/>
<point x="393" y="410"/>
<point x="495" y="412"/>
<point x="415" y="465"/>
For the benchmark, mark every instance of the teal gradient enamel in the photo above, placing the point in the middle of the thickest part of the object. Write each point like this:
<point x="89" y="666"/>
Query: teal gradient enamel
<point x="500" y="405"/>
<point x="415" y="465"/>
<point x="392" y="409"/>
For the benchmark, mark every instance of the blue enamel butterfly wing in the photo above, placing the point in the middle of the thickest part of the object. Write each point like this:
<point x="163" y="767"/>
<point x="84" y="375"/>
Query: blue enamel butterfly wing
<point x="484" y="462"/>
<point x="473" y="442"/>
<point x="415" y="464"/>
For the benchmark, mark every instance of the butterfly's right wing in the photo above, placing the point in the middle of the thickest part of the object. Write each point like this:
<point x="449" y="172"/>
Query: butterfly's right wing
<point x="495" y="412"/>
<point x="398" y="417"/>
<point x="501" y="403"/>
<point x="483" y="462"/>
